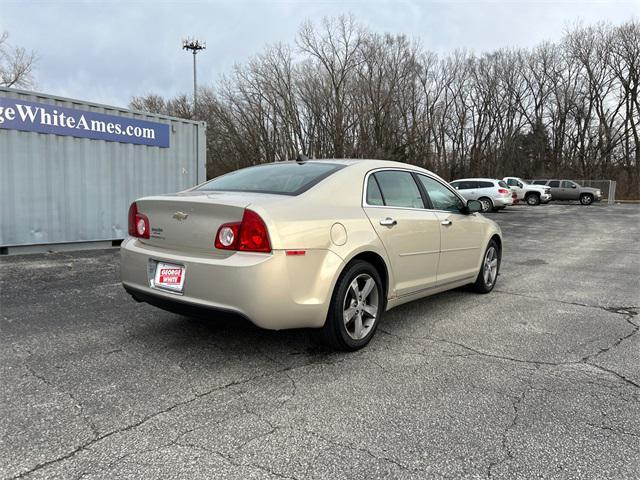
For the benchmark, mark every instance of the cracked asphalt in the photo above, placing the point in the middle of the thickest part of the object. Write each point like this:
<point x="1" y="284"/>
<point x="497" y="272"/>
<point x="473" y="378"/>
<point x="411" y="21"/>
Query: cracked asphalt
<point x="540" y="378"/>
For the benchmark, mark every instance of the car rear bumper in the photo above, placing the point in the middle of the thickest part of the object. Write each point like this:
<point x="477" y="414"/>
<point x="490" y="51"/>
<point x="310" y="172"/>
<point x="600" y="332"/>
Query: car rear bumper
<point x="274" y="291"/>
<point x="502" y="201"/>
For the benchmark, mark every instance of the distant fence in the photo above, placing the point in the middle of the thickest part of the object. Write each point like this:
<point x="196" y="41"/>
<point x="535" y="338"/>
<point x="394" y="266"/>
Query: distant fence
<point x="607" y="187"/>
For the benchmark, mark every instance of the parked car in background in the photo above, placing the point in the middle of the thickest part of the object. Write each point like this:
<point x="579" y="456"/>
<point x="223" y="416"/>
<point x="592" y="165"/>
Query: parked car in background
<point x="570" y="190"/>
<point x="492" y="194"/>
<point x="328" y="244"/>
<point x="532" y="194"/>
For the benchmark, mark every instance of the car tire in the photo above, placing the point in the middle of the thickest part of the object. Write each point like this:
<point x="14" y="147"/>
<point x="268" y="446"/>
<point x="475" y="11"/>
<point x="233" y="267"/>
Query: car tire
<point x="487" y="204"/>
<point x="532" y="199"/>
<point x="355" y="332"/>
<point x="586" y="199"/>
<point x="489" y="268"/>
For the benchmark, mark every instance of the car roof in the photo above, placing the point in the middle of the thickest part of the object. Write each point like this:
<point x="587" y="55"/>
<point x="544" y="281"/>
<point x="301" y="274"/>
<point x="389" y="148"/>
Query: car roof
<point x="369" y="163"/>
<point x="477" y="179"/>
<point x="350" y="161"/>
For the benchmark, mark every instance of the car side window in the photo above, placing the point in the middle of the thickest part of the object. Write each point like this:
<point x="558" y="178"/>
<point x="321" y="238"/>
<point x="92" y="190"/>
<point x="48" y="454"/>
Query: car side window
<point x="463" y="185"/>
<point x="398" y="189"/>
<point x="540" y="182"/>
<point x="567" y="184"/>
<point x="441" y="197"/>
<point x="554" y="183"/>
<point x="512" y="182"/>
<point x="485" y="185"/>
<point x="374" y="195"/>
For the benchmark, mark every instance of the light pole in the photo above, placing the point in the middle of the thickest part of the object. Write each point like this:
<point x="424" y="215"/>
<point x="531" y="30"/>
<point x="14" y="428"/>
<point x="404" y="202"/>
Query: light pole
<point x="195" y="46"/>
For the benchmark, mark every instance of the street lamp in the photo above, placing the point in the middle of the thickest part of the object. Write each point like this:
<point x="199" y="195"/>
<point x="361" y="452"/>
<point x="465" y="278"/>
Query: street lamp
<point x="195" y="46"/>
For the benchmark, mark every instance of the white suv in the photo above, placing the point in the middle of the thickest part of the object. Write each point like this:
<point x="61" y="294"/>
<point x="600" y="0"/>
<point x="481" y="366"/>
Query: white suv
<point x="492" y="194"/>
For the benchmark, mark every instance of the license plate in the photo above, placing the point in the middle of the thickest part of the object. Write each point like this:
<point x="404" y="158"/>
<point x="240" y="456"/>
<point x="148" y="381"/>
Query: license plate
<point x="169" y="277"/>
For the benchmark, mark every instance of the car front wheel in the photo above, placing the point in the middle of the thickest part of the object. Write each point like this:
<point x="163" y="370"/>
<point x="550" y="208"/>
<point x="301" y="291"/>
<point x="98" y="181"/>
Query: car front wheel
<point x="356" y="306"/>
<point x="489" y="269"/>
<point x="533" y="199"/>
<point x="586" y="199"/>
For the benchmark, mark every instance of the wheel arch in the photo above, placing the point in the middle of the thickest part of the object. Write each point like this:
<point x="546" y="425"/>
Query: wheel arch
<point x="378" y="263"/>
<point x="498" y="240"/>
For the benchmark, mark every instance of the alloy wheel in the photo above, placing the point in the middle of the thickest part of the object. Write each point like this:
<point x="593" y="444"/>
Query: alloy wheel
<point x="490" y="266"/>
<point x="360" y="306"/>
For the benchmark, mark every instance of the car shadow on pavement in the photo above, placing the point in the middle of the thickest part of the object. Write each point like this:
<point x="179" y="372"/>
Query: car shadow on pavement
<point x="226" y="336"/>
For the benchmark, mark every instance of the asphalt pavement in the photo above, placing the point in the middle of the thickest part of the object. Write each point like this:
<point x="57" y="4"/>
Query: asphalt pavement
<point x="540" y="378"/>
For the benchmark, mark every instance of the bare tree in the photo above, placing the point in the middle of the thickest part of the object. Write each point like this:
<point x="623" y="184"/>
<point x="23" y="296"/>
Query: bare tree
<point x="16" y="65"/>
<point x="335" y="47"/>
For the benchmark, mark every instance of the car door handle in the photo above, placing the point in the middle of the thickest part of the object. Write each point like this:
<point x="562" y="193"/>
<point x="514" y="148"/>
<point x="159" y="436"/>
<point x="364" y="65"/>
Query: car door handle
<point x="446" y="222"/>
<point x="388" y="222"/>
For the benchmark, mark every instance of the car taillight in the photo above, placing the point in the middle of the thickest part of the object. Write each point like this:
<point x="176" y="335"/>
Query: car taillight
<point x="249" y="235"/>
<point x="138" y="223"/>
<point x="503" y="191"/>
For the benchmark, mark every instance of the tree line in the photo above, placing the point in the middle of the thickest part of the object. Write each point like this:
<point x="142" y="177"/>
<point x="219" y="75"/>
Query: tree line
<point x="565" y="109"/>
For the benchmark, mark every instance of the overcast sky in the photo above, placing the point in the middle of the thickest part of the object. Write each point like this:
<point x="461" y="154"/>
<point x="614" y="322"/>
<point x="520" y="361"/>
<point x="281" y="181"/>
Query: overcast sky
<point x="109" y="51"/>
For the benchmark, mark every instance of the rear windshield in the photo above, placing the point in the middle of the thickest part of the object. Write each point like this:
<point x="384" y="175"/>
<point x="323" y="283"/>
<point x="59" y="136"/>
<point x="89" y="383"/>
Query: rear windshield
<point x="502" y="184"/>
<point x="279" y="178"/>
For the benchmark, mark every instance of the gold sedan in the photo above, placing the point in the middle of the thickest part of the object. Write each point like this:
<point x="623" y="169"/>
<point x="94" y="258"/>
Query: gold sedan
<point x="326" y="244"/>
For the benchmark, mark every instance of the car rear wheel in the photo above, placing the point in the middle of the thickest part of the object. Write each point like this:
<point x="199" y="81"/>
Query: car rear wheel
<point x="532" y="199"/>
<point x="486" y="203"/>
<point x="356" y="306"/>
<point x="489" y="269"/>
<point x="586" y="199"/>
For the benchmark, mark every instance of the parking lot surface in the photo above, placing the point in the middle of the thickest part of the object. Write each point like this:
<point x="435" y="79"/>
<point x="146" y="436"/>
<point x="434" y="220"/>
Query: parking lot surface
<point x="540" y="378"/>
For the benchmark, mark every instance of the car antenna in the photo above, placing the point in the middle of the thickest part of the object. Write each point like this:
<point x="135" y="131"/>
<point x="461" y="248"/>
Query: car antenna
<point x="301" y="158"/>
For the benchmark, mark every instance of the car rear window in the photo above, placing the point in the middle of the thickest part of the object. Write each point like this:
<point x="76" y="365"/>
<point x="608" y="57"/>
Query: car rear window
<point x="279" y="178"/>
<point x="502" y="184"/>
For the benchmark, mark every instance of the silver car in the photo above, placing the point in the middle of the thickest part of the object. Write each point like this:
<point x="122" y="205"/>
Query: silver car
<point x="570" y="190"/>
<point x="491" y="193"/>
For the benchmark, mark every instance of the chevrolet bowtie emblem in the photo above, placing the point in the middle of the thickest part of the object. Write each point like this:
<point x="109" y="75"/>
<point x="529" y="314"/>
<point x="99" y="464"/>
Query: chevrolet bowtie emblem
<point x="180" y="216"/>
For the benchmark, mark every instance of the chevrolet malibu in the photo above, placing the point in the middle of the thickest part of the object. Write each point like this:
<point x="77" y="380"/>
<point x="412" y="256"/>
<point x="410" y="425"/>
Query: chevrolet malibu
<point x="325" y="244"/>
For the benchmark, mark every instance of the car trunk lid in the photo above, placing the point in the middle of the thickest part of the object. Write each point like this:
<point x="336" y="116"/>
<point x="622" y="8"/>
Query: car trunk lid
<point x="189" y="221"/>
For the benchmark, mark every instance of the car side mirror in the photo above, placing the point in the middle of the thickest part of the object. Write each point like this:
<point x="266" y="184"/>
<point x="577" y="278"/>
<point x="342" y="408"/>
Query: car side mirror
<point x="573" y="186"/>
<point x="473" y="206"/>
